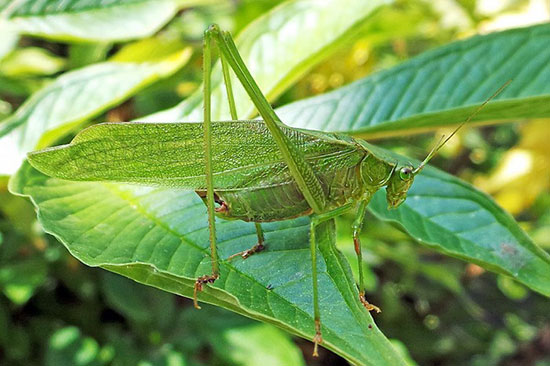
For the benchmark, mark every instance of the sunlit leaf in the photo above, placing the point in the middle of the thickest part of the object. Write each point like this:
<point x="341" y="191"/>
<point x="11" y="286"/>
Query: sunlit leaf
<point x="439" y="88"/>
<point x="94" y="20"/>
<point x="524" y="171"/>
<point x="278" y="50"/>
<point x="74" y="97"/>
<point x="9" y="38"/>
<point x="31" y="61"/>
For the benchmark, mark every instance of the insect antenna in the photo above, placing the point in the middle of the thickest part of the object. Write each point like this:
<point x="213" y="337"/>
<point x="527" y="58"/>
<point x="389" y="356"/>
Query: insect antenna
<point x="442" y="141"/>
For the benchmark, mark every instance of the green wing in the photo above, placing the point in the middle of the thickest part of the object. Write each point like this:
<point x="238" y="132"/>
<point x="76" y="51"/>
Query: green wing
<point x="172" y="154"/>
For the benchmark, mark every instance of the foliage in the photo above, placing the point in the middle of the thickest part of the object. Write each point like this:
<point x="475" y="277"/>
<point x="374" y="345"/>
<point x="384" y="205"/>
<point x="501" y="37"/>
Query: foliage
<point x="438" y="309"/>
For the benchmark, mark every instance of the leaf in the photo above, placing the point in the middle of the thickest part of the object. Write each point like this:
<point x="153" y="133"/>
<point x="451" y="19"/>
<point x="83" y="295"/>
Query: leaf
<point x="20" y="280"/>
<point x="93" y="20"/>
<point x="9" y="38"/>
<point x="160" y="237"/>
<point x="449" y="215"/>
<point x="180" y="216"/>
<point x="525" y="165"/>
<point x="257" y="344"/>
<point x="140" y="304"/>
<point x="439" y="88"/>
<point x="68" y="347"/>
<point x="31" y="61"/>
<point x="237" y="340"/>
<point x="74" y="97"/>
<point x="278" y="49"/>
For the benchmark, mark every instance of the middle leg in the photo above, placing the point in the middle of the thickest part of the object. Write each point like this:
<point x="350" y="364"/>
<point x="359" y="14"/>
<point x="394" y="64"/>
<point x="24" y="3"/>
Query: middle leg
<point x="258" y="247"/>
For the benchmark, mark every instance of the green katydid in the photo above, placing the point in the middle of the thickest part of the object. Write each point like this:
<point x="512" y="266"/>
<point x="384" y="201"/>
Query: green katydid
<point x="256" y="171"/>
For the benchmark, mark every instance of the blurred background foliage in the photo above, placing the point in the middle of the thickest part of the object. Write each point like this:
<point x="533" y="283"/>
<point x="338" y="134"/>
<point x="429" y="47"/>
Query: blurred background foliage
<point x="439" y="310"/>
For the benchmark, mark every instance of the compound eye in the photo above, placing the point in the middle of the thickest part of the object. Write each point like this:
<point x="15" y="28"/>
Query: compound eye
<point x="405" y="173"/>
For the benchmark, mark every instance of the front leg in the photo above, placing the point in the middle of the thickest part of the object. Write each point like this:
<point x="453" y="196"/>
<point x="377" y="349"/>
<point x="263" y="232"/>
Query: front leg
<point x="316" y="220"/>
<point x="357" y="225"/>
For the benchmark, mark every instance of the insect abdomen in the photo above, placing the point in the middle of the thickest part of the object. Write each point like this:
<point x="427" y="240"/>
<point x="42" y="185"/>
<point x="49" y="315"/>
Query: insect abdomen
<point x="263" y="204"/>
<point x="285" y="201"/>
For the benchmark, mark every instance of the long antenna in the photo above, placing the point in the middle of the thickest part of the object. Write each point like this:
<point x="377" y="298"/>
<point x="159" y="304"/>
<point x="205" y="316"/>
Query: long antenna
<point x="442" y="141"/>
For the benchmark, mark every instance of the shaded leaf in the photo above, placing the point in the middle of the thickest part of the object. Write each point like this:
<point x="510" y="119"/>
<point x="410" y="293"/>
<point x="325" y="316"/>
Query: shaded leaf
<point x="239" y="340"/>
<point x="68" y="347"/>
<point x="140" y="304"/>
<point x="20" y="280"/>
<point x="257" y="344"/>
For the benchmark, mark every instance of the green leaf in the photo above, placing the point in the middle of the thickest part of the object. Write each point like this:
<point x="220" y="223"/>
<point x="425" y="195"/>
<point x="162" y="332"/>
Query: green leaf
<point x="93" y="20"/>
<point x="140" y="304"/>
<point x="20" y="280"/>
<point x="160" y="237"/>
<point x="74" y="97"/>
<point x="451" y="216"/>
<point x="237" y="340"/>
<point x="439" y="88"/>
<point x="9" y="38"/>
<point x="68" y="347"/>
<point x="278" y="48"/>
<point x="31" y="61"/>
<point x="257" y="344"/>
<point x="83" y="54"/>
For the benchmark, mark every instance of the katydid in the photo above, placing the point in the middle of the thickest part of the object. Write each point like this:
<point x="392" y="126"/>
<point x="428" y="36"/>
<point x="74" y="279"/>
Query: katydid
<point x="289" y="172"/>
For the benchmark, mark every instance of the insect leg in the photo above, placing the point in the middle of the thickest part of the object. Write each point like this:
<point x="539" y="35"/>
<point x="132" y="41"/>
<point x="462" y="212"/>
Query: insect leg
<point x="229" y="89"/>
<point x="301" y="171"/>
<point x="233" y="110"/>
<point x="208" y="164"/>
<point x="258" y="247"/>
<point x="316" y="220"/>
<point x="357" y="225"/>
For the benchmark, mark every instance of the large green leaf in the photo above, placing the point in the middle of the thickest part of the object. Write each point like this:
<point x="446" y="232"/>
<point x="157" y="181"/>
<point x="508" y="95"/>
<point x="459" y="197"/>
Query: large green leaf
<point x="439" y="88"/>
<point x="245" y="291"/>
<point x="75" y="96"/>
<point x="93" y="20"/>
<point x="431" y="91"/>
<point x="278" y="48"/>
<point x="449" y="215"/>
<point x="160" y="237"/>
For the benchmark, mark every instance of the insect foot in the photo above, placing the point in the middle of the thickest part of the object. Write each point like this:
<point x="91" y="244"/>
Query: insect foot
<point x="247" y="253"/>
<point x="198" y="286"/>
<point x="368" y="305"/>
<point x="318" y="339"/>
